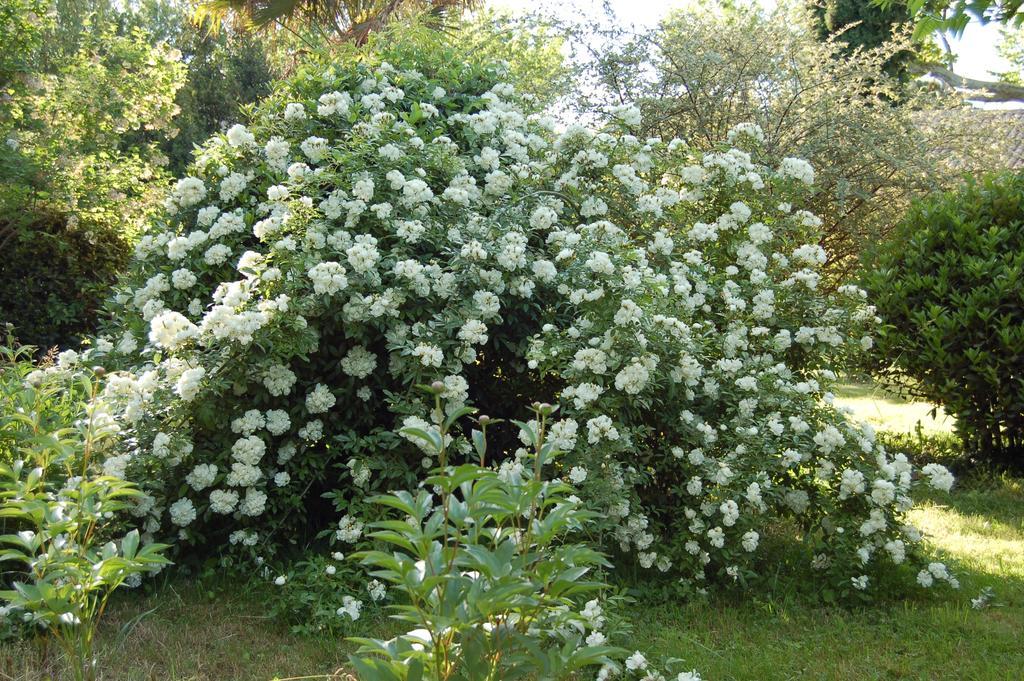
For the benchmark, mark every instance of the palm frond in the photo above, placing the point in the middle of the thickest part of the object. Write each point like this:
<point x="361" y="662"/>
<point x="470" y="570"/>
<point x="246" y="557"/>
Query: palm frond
<point x="347" y="20"/>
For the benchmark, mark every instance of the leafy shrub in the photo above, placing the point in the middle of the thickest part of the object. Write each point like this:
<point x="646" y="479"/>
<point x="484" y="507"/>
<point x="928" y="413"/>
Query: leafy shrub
<point x="492" y="589"/>
<point x="875" y="144"/>
<point x="38" y="390"/>
<point x="487" y="569"/>
<point x="63" y="550"/>
<point x="320" y="594"/>
<point x="949" y="288"/>
<point x="69" y="573"/>
<point x="381" y="227"/>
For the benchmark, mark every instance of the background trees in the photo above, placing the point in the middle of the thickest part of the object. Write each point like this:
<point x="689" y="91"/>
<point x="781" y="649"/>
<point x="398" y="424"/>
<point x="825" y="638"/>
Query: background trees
<point x="103" y="102"/>
<point x="875" y="142"/>
<point x="930" y="16"/>
<point x="862" y="24"/>
<point x="338" y="20"/>
<point x="80" y="164"/>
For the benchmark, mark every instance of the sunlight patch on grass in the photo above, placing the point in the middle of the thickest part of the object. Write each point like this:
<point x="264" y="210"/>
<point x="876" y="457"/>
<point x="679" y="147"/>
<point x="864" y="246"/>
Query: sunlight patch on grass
<point x="978" y="530"/>
<point x="887" y="412"/>
<point x="984" y="544"/>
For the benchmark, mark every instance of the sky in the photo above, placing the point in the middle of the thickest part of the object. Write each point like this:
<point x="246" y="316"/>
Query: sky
<point x="976" y="55"/>
<point x="975" y="51"/>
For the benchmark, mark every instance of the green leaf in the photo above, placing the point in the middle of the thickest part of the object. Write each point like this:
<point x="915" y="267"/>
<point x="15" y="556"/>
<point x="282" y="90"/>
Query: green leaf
<point x="431" y="437"/>
<point x="130" y="544"/>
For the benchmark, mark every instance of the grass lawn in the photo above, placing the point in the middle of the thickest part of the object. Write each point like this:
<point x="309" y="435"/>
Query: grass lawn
<point x="979" y="532"/>
<point x="192" y="632"/>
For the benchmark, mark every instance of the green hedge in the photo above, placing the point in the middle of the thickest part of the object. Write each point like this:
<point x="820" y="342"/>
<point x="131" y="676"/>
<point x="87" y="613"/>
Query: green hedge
<point x="949" y="287"/>
<point x="57" y="278"/>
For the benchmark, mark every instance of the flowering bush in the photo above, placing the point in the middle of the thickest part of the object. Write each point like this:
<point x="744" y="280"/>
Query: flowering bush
<point x="322" y="594"/>
<point x="378" y="227"/>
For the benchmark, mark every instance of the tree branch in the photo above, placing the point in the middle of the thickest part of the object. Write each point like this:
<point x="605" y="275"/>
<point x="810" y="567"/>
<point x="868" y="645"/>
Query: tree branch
<point x="981" y="90"/>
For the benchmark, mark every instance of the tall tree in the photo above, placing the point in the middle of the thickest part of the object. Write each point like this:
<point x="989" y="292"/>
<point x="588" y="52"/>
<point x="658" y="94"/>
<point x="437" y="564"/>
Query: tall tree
<point x="942" y="18"/>
<point x="876" y="144"/>
<point x="226" y="70"/>
<point x="953" y="15"/>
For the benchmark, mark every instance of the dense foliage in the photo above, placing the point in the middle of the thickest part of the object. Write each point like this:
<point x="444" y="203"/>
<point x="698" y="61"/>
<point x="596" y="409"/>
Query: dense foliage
<point x="411" y="214"/>
<point x="340" y="20"/>
<point x="949" y="288"/>
<point x="862" y="25"/>
<point x="874" y="142"/>
<point x="79" y="164"/>
<point x="380" y="226"/>
<point x="953" y="16"/>
<point x="225" y="72"/>
<point x="494" y="586"/>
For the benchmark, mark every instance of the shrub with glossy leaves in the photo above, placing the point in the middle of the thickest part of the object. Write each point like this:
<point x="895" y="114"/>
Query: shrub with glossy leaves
<point x="949" y="287"/>
<point x="493" y="585"/>
<point x="382" y="225"/>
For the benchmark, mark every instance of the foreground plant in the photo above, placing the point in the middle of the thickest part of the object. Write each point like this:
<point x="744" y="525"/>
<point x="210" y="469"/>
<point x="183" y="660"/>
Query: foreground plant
<point x="60" y="514"/>
<point x="495" y="589"/>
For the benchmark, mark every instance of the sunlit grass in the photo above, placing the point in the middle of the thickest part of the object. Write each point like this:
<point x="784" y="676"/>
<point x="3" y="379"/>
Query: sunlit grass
<point x="888" y="412"/>
<point x="982" y="530"/>
<point x="978" y="530"/>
